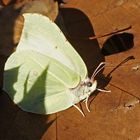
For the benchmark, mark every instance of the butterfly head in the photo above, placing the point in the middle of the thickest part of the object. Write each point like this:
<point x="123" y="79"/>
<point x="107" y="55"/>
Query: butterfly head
<point x="90" y="84"/>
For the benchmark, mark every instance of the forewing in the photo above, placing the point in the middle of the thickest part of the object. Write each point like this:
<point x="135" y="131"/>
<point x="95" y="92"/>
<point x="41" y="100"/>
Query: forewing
<point x="41" y="34"/>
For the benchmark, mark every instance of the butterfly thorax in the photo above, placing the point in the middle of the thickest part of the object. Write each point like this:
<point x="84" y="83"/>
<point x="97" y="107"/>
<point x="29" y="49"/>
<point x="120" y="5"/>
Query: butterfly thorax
<point x="83" y="90"/>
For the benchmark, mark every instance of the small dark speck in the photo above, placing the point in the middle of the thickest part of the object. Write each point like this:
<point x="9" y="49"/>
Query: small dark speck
<point x="26" y="35"/>
<point x="129" y="106"/>
<point x="132" y="103"/>
<point x="56" y="47"/>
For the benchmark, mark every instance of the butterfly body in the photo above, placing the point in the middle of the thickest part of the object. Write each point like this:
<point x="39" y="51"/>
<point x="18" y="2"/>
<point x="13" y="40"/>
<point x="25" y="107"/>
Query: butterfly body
<point x="45" y="74"/>
<point x="83" y="90"/>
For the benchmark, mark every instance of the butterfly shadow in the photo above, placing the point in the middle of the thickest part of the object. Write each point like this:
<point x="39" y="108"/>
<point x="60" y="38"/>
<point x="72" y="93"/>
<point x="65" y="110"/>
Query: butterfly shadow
<point x="104" y="80"/>
<point x="77" y="28"/>
<point x="117" y="43"/>
<point x="18" y="124"/>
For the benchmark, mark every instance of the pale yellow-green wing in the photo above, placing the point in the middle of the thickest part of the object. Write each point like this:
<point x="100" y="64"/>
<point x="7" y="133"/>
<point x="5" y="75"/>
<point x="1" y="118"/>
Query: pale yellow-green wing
<point x="44" y="36"/>
<point x="38" y="83"/>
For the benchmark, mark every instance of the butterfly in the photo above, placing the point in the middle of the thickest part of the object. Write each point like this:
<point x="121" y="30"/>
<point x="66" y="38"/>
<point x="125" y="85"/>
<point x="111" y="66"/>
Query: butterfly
<point x="45" y="74"/>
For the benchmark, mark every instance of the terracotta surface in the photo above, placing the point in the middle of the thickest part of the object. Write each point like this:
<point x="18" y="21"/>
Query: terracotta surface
<point x="113" y="116"/>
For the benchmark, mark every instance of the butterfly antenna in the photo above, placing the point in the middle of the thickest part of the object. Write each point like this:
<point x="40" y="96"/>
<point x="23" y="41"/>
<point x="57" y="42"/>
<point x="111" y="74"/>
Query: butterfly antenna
<point x="98" y="69"/>
<point x="79" y="110"/>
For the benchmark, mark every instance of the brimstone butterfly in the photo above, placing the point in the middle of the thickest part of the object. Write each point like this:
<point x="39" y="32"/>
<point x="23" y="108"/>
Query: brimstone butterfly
<point x="45" y="74"/>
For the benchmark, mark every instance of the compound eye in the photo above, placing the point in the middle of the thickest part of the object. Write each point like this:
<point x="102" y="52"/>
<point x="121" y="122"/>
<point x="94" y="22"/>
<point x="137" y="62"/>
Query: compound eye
<point x="89" y="84"/>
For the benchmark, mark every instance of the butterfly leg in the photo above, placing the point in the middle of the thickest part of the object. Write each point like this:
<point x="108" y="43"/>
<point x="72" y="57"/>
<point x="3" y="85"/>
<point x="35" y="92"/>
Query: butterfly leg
<point x="79" y="110"/>
<point x="86" y="102"/>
